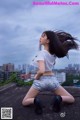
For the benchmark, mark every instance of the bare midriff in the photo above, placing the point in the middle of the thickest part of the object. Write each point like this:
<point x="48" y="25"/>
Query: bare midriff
<point x="48" y="73"/>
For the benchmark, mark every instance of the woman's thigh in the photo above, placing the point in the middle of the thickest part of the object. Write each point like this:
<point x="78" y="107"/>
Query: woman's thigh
<point x="61" y="91"/>
<point x="32" y="93"/>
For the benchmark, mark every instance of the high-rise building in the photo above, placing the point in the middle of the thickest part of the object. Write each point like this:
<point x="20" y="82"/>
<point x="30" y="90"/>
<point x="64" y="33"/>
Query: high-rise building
<point x="69" y="66"/>
<point x="1" y="75"/>
<point x="19" y="67"/>
<point x="8" y="67"/>
<point x="0" y="67"/>
<point x="24" y="68"/>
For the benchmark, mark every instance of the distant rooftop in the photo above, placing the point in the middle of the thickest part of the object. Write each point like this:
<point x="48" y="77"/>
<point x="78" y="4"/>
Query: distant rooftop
<point x="12" y="96"/>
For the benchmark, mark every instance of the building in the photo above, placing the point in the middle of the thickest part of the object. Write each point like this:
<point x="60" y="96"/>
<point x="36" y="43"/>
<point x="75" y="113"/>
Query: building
<point x="19" y="67"/>
<point x="1" y="76"/>
<point x="8" y="67"/>
<point x="25" y="76"/>
<point x="24" y="68"/>
<point x="61" y="77"/>
<point x="0" y="68"/>
<point x="73" y="69"/>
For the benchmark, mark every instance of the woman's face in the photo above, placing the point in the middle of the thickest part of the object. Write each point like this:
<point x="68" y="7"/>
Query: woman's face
<point x="43" y="39"/>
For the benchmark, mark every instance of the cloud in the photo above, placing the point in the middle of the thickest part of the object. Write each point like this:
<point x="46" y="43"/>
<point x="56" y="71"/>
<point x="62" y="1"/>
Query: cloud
<point x="12" y="6"/>
<point x="21" y="25"/>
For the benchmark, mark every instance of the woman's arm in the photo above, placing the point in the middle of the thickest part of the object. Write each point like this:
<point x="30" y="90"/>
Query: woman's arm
<point x="41" y="70"/>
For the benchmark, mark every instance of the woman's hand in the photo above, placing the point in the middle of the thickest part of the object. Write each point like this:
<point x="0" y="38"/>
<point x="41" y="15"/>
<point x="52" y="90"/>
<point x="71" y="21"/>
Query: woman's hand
<point x="38" y="75"/>
<point x="35" y="77"/>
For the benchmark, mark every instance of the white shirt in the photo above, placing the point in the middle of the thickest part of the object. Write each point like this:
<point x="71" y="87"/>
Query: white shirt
<point x="48" y="59"/>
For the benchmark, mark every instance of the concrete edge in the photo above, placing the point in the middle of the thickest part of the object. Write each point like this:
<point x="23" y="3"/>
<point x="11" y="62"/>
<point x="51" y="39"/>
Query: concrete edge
<point x="3" y="88"/>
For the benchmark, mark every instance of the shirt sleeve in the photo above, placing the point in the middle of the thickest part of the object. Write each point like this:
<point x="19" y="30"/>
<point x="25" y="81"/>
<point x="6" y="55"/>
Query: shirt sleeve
<point x="40" y="56"/>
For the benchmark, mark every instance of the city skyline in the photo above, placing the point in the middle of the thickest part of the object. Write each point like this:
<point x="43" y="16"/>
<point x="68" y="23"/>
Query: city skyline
<point x="25" y="71"/>
<point x="23" y="66"/>
<point x="21" y="25"/>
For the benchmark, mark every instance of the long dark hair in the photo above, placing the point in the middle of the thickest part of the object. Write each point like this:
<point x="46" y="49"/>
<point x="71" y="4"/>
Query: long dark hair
<point x="60" y="43"/>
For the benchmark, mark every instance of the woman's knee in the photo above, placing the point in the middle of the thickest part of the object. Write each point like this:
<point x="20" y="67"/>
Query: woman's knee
<point x="27" y="101"/>
<point x="24" y="101"/>
<point x="72" y="99"/>
<point x="68" y="98"/>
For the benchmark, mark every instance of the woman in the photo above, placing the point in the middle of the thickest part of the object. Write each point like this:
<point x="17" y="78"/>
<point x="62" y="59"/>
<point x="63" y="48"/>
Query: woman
<point x="56" y="44"/>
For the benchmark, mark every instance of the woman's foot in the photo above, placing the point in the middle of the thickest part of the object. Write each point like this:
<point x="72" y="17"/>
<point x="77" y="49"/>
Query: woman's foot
<point x="56" y="104"/>
<point x="38" y="106"/>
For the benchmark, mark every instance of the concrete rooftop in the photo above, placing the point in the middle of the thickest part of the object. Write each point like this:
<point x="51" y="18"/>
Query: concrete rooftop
<point x="12" y="95"/>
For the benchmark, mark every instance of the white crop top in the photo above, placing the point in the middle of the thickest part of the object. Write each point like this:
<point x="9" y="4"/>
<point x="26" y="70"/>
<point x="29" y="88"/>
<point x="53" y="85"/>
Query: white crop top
<point x="49" y="59"/>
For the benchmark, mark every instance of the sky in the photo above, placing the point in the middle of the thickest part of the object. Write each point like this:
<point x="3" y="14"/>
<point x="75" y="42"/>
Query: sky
<point x="22" y="23"/>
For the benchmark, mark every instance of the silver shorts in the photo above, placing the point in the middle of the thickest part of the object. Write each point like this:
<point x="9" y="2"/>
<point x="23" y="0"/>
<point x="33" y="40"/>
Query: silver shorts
<point x="46" y="83"/>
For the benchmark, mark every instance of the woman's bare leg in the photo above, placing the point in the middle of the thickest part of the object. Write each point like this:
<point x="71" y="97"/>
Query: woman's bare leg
<point x="66" y="97"/>
<point x="29" y="98"/>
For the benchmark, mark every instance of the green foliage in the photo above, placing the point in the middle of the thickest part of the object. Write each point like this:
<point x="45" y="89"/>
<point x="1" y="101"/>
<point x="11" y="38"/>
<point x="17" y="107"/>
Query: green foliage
<point x="22" y="83"/>
<point x="68" y="83"/>
<point x="5" y="82"/>
<point x="19" y="82"/>
<point x="28" y="83"/>
<point x="69" y="80"/>
<point x="13" y="77"/>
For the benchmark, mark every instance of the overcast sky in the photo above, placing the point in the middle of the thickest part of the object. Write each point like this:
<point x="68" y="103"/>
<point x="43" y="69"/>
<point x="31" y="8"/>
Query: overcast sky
<point x="22" y="23"/>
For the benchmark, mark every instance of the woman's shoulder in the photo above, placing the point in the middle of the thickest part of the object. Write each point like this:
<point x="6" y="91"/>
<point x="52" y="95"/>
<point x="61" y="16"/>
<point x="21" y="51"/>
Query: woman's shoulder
<point x="41" y="52"/>
<point x="46" y="53"/>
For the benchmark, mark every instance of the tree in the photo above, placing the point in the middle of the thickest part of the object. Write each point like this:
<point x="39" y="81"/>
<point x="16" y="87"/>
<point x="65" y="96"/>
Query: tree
<point x="13" y="77"/>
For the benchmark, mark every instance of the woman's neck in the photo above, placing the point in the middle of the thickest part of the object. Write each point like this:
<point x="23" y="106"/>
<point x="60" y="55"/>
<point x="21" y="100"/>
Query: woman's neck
<point x="46" y="47"/>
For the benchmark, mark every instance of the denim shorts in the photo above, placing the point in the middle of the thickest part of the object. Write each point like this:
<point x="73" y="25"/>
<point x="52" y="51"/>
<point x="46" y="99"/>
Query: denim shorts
<point x="46" y="83"/>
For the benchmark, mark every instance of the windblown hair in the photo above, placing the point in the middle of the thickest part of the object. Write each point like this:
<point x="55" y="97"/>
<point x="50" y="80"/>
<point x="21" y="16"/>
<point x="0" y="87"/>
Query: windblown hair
<point x="60" y="43"/>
